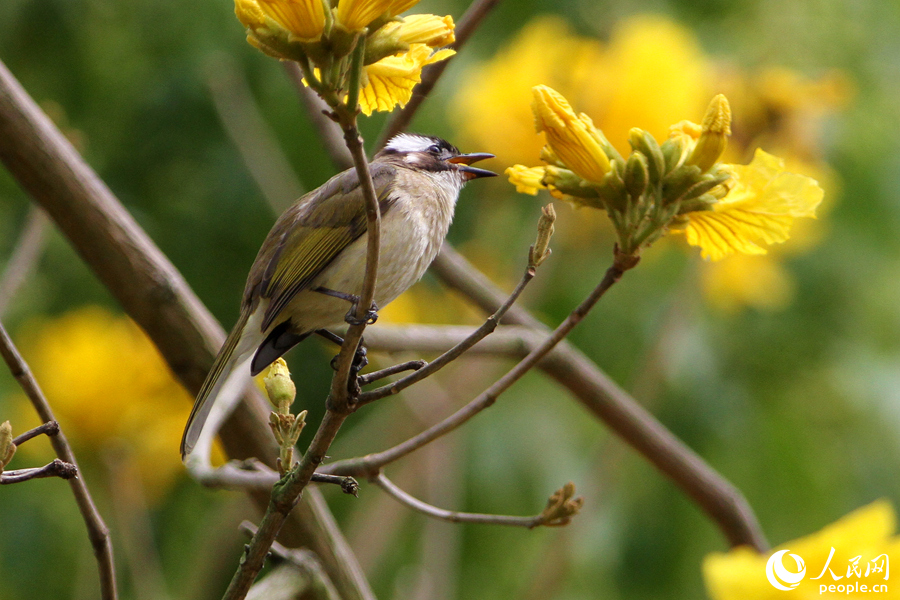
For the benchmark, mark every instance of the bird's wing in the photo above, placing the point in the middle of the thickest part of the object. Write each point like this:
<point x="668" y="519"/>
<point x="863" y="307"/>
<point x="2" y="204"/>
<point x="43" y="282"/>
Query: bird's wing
<point x="310" y="234"/>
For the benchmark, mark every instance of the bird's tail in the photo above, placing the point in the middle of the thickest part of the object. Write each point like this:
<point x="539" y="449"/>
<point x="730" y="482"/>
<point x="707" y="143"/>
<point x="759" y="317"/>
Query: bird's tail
<point x="224" y="385"/>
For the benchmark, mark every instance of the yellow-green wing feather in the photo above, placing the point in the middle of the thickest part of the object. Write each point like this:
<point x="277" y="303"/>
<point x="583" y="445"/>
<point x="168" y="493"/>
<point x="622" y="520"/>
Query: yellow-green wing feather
<point x="311" y="234"/>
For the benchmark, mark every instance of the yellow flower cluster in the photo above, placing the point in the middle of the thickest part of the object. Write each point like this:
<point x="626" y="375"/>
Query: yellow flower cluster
<point x="109" y="387"/>
<point x="855" y="551"/>
<point x="620" y="83"/>
<point x="315" y="34"/>
<point x="679" y="186"/>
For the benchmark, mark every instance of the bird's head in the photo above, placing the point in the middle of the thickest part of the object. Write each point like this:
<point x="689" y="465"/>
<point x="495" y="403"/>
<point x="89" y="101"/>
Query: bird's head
<point x="432" y="154"/>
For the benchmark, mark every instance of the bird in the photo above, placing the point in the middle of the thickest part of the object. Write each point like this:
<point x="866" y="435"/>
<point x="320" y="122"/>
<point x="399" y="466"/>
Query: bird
<point x="310" y="267"/>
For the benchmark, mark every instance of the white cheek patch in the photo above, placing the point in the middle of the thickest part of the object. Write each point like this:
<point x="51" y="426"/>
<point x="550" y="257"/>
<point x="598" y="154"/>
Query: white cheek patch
<point x="406" y="142"/>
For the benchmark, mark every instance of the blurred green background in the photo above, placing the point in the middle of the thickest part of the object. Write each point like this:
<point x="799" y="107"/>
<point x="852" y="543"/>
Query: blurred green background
<point x="782" y="371"/>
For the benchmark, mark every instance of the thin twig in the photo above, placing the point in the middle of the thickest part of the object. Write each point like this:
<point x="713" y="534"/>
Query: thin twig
<point x="452" y="516"/>
<point x="373" y="376"/>
<point x="721" y="500"/>
<point x="368" y="466"/>
<point x="252" y="474"/>
<point x="97" y="530"/>
<point x="399" y="121"/>
<point x="156" y="296"/>
<point x="452" y="354"/>
<point x="55" y="468"/>
<point x="50" y="428"/>
<point x="24" y="257"/>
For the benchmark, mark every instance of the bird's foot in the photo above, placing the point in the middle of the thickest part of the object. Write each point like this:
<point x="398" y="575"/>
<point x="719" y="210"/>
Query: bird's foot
<point x="367" y="319"/>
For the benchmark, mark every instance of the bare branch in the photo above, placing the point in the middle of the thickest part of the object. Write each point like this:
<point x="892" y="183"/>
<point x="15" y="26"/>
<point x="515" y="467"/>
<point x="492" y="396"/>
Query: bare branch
<point x="620" y="412"/>
<point x="55" y="468"/>
<point x="155" y="295"/>
<point x="547" y="517"/>
<point x="450" y="355"/>
<point x="368" y="466"/>
<point x="50" y="428"/>
<point x="24" y="257"/>
<point x="98" y="533"/>
<point x="306" y="561"/>
<point x="468" y="24"/>
<point x="373" y="376"/>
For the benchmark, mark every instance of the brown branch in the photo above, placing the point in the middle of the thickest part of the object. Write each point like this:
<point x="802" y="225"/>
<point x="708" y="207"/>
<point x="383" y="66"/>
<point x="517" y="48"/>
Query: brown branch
<point x="155" y="295"/>
<point x="452" y="516"/>
<point x="724" y="503"/>
<point x="453" y="353"/>
<point x="55" y="468"/>
<point x="306" y="561"/>
<point x="50" y="428"/>
<point x="24" y="257"/>
<point x="399" y="121"/>
<point x="98" y="533"/>
<point x="373" y="376"/>
<point x="370" y="465"/>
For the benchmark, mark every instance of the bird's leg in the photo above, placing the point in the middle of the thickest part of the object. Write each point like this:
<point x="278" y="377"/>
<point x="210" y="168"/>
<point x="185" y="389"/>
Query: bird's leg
<point x="359" y="359"/>
<point x="371" y="315"/>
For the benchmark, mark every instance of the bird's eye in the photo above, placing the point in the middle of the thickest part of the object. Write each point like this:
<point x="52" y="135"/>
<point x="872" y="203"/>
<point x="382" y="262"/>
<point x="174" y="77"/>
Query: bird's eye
<point x="434" y="149"/>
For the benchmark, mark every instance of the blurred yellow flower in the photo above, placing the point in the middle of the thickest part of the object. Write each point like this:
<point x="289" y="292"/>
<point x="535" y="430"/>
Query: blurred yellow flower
<point x="528" y="180"/>
<point x="650" y="74"/>
<point x="759" y="208"/>
<point x="390" y="81"/>
<point x="571" y="138"/>
<point x="107" y="384"/>
<point x="304" y="19"/>
<point x="855" y="551"/>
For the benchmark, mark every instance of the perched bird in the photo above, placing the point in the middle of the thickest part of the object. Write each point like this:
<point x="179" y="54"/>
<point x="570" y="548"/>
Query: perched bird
<point x="311" y="266"/>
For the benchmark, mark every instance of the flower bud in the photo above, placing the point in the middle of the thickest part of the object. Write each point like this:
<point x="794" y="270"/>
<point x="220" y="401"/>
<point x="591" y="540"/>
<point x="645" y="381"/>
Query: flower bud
<point x="279" y="387"/>
<point x="541" y="248"/>
<point x="572" y="138"/>
<point x="714" y="137"/>
<point x="636" y="174"/>
<point x="646" y="144"/>
<point x="7" y="448"/>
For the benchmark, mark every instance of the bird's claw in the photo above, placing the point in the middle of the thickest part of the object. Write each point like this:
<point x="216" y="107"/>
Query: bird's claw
<point x="370" y="317"/>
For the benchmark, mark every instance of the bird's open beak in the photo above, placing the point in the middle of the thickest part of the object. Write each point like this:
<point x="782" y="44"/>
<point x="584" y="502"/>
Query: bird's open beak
<point x="464" y="160"/>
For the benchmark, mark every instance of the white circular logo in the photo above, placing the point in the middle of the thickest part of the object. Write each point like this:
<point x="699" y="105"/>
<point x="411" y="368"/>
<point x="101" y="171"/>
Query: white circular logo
<point x="778" y="576"/>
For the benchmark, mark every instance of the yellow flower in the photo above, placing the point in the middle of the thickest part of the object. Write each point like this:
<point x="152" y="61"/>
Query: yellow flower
<point x="526" y="179"/>
<point x="109" y="386"/>
<point x="759" y="208"/>
<point x="713" y="134"/>
<point x="390" y="81"/>
<point x="432" y="30"/>
<point x="863" y="543"/>
<point x="357" y="14"/>
<point x="571" y="138"/>
<point x="304" y="19"/>
<point x="759" y="281"/>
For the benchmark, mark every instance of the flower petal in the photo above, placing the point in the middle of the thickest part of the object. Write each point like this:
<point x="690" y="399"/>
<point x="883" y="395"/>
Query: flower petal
<point x="392" y="79"/>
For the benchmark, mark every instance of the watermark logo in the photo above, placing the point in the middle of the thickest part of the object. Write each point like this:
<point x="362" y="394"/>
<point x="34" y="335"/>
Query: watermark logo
<point x="779" y="576"/>
<point x="786" y="580"/>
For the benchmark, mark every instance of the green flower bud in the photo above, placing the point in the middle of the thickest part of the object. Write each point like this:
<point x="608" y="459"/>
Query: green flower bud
<point x="541" y="248"/>
<point x="678" y="182"/>
<point x="7" y="448"/>
<point x="279" y="387"/>
<point x="646" y="144"/>
<point x="636" y="175"/>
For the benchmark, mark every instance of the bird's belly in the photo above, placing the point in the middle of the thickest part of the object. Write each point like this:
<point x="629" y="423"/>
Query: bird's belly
<point x="408" y="246"/>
